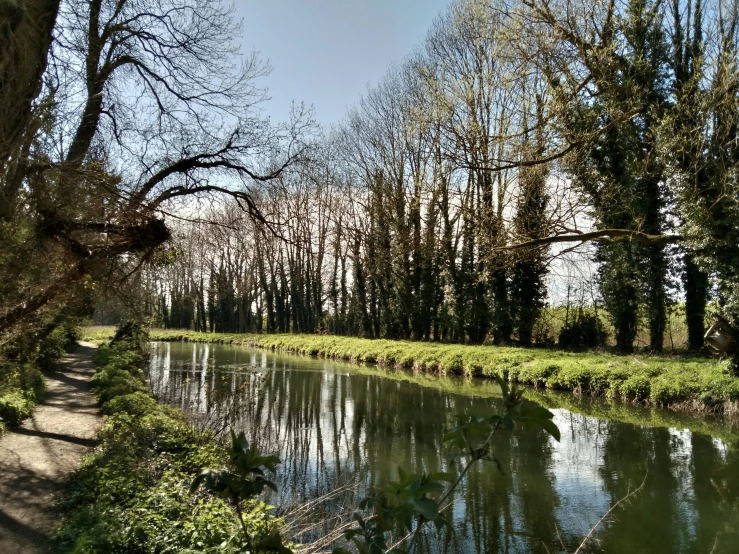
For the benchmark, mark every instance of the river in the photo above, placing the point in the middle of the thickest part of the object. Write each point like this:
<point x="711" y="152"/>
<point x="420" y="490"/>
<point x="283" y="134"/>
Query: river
<point x="333" y="423"/>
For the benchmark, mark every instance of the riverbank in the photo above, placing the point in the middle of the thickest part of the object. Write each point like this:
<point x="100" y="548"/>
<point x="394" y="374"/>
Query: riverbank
<point x="133" y="493"/>
<point x="696" y="385"/>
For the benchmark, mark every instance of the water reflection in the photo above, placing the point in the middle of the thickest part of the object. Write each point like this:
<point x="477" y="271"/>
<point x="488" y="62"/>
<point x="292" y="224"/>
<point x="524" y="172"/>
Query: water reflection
<point x="330" y="422"/>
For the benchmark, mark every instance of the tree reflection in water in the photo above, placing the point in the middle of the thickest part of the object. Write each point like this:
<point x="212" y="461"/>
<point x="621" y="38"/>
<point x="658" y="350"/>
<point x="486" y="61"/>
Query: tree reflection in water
<point x="331" y="422"/>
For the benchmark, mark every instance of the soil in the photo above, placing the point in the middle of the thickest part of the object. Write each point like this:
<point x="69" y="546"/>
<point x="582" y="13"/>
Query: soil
<point x="37" y="457"/>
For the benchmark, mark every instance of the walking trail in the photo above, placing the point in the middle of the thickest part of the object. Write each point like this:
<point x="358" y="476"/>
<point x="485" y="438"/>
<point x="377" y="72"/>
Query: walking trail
<point x="36" y="458"/>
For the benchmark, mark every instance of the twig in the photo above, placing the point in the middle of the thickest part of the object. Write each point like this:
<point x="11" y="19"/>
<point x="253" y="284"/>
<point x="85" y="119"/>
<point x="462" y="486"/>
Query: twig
<point x="559" y="537"/>
<point x="602" y="519"/>
<point x="475" y="455"/>
<point x="715" y="544"/>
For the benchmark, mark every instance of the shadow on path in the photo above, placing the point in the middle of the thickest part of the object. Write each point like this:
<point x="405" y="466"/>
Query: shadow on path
<point x="36" y="458"/>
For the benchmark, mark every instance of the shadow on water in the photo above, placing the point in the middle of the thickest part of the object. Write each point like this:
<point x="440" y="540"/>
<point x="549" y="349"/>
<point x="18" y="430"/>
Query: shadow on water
<point x="330" y="422"/>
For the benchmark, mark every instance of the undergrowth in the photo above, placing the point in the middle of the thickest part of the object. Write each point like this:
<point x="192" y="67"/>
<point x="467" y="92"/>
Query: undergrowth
<point x="22" y="364"/>
<point x="132" y="494"/>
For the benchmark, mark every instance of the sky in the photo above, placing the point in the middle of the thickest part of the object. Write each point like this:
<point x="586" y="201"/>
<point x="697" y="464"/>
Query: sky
<point x="326" y="52"/>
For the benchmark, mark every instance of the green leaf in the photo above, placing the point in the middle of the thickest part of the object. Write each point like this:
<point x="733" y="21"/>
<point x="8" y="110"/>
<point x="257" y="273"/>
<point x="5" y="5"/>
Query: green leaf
<point x="508" y="422"/>
<point x="402" y="475"/>
<point x="404" y="515"/>
<point x="427" y="488"/>
<point x="426" y="507"/>
<point x="440" y="522"/>
<point x="199" y="478"/>
<point x="539" y="412"/>
<point x="550" y="427"/>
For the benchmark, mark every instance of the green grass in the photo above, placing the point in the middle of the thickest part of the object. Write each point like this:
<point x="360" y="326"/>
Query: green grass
<point x="687" y="384"/>
<point x="132" y="493"/>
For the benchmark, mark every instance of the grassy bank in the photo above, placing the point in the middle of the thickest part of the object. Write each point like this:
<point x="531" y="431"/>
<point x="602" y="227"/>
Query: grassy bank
<point x="689" y="384"/>
<point x="132" y="494"/>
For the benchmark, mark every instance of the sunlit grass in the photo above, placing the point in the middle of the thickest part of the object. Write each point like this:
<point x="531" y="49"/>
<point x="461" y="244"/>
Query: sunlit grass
<point x="655" y="380"/>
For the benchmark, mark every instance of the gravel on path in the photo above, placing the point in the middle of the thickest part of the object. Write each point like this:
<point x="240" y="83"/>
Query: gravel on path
<point x="37" y="457"/>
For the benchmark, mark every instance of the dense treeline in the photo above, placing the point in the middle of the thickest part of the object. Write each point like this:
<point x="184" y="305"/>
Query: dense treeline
<point x="437" y="209"/>
<point x="519" y="132"/>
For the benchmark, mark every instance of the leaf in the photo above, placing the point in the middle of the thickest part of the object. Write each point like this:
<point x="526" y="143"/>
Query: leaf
<point x="451" y="434"/>
<point x="503" y="386"/>
<point x="428" y="488"/>
<point x="508" y="422"/>
<point x="240" y="442"/>
<point x="270" y="462"/>
<point x="550" y="427"/>
<point x="199" y="478"/>
<point x="402" y="475"/>
<point x="440" y="522"/>
<point x="539" y="412"/>
<point x="496" y="461"/>
<point x="404" y="515"/>
<point x="426" y="507"/>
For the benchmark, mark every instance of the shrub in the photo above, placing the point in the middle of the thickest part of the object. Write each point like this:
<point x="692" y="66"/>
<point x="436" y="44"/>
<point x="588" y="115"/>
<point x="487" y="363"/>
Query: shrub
<point x="14" y="408"/>
<point x="586" y="331"/>
<point x="135" y="404"/>
<point x="61" y="340"/>
<point x="133" y="335"/>
<point x="112" y="382"/>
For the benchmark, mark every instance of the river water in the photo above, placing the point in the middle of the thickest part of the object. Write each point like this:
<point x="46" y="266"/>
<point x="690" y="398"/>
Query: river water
<point x="333" y="423"/>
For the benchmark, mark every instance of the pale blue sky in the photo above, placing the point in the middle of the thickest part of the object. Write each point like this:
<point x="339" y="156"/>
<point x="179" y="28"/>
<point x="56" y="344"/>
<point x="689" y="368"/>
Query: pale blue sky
<point x="325" y="52"/>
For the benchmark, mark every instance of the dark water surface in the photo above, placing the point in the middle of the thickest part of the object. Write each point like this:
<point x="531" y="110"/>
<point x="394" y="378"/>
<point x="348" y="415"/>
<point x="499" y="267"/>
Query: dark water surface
<point x="332" y="422"/>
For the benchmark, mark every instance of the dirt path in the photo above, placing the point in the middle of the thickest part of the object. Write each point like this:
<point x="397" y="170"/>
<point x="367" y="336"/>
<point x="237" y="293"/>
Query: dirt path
<point x="37" y="457"/>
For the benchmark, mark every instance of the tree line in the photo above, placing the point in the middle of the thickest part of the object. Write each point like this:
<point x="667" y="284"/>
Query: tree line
<point x="519" y="130"/>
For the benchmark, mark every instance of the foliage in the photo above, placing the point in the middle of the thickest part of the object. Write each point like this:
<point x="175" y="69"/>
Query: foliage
<point x="21" y="365"/>
<point x="585" y="331"/>
<point x="242" y="482"/>
<point x="416" y="500"/>
<point x="14" y="408"/>
<point x="132" y="494"/>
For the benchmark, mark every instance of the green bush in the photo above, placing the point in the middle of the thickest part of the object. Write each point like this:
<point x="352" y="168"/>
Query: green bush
<point x="14" y="408"/>
<point x="584" y="332"/>
<point x="136" y="404"/>
<point x="112" y="382"/>
<point x="61" y="340"/>
<point x="21" y="388"/>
